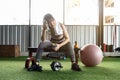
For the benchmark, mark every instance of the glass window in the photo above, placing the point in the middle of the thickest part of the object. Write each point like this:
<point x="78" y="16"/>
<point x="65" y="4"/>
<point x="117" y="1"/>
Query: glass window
<point x="40" y="7"/>
<point x="81" y="12"/>
<point x="111" y="12"/>
<point x="14" y="12"/>
<point x="109" y="3"/>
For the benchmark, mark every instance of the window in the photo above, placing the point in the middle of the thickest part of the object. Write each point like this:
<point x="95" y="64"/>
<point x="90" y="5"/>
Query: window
<point x="14" y="12"/>
<point x="109" y="19"/>
<point x="40" y="8"/>
<point x="111" y="12"/>
<point x="109" y="3"/>
<point x="81" y="12"/>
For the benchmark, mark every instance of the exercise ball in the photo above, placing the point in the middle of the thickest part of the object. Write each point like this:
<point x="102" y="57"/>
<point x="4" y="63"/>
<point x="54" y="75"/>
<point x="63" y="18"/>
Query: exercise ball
<point x="91" y="55"/>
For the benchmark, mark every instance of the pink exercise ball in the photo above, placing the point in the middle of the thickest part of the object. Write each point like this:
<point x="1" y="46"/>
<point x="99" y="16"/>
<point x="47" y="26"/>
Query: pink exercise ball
<point x="91" y="55"/>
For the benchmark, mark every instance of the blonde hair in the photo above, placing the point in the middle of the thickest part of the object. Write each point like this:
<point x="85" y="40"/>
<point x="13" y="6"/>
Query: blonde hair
<point x="48" y="17"/>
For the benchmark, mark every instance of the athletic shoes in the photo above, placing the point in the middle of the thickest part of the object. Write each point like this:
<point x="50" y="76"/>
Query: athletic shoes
<point x="35" y="67"/>
<point x="75" y="67"/>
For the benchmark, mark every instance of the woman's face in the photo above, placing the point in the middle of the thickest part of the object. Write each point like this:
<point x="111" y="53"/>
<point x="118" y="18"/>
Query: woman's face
<point x="51" y="23"/>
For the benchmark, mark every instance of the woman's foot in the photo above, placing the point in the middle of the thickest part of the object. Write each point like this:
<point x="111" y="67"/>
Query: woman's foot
<point x="35" y="67"/>
<point x="75" y="67"/>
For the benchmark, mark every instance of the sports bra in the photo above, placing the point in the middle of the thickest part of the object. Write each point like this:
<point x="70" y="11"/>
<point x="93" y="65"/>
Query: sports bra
<point x="57" y="34"/>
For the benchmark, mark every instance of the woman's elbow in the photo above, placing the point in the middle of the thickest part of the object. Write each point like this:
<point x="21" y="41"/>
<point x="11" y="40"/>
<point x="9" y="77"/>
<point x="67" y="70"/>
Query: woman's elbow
<point x="68" y="39"/>
<point x="42" y="39"/>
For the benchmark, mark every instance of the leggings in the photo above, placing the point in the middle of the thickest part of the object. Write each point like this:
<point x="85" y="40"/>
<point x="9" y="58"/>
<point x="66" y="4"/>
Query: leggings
<point x="67" y="49"/>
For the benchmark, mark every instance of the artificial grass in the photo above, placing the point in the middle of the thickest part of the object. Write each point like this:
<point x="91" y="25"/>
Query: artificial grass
<point x="13" y="69"/>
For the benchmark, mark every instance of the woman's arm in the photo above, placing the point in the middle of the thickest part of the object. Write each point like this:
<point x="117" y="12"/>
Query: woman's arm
<point x="65" y="34"/>
<point x="43" y="37"/>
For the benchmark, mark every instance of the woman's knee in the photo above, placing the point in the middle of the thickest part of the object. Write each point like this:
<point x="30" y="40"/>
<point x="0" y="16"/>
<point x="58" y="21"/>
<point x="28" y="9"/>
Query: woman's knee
<point x="41" y="45"/>
<point x="44" y="44"/>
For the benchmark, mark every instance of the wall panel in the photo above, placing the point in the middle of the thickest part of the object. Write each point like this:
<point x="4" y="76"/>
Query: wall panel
<point x="22" y="34"/>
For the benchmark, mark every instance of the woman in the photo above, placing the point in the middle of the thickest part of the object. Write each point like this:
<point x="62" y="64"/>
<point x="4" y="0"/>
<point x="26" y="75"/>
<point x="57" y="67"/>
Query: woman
<point x="59" y="36"/>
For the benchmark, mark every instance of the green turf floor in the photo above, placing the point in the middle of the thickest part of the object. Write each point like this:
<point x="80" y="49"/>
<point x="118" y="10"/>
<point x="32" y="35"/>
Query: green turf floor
<point x="13" y="69"/>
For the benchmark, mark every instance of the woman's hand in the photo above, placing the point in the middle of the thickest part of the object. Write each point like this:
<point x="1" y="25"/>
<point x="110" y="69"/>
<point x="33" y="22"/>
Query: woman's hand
<point x="57" y="47"/>
<point x="45" y="25"/>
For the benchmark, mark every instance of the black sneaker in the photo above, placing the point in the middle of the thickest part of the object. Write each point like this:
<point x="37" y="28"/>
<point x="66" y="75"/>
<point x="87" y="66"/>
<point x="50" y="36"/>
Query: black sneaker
<point x="75" y="67"/>
<point x="35" y="67"/>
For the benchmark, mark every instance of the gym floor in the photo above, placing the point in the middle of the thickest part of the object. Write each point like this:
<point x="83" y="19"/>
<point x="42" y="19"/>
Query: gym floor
<point x="13" y="69"/>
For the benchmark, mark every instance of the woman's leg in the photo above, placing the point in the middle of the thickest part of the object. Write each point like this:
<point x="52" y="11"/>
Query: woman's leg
<point x="35" y="65"/>
<point x="40" y="50"/>
<point x="69" y="51"/>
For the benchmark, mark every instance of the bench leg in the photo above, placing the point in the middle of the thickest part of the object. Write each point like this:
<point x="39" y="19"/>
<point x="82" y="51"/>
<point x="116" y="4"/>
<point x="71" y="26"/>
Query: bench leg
<point x="30" y="54"/>
<point x="28" y="60"/>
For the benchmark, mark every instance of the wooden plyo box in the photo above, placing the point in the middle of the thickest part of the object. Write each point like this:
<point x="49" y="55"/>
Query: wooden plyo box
<point x="9" y="50"/>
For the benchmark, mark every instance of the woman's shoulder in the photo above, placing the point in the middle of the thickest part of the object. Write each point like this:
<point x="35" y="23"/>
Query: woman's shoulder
<point x="61" y="24"/>
<point x="58" y="22"/>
